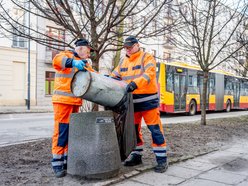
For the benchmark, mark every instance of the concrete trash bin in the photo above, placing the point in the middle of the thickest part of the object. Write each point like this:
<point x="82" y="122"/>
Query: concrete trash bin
<point x="93" y="150"/>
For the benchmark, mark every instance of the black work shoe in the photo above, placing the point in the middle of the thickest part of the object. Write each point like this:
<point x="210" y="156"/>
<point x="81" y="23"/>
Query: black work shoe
<point x="161" y="167"/>
<point x="59" y="173"/>
<point x="133" y="159"/>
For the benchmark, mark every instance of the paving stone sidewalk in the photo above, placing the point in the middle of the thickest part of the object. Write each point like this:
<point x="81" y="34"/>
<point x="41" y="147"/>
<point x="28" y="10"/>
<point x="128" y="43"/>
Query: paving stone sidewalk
<point x="228" y="166"/>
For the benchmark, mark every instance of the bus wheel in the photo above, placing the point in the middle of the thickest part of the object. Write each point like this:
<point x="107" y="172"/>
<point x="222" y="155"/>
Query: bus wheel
<point x="228" y="106"/>
<point x="192" y="108"/>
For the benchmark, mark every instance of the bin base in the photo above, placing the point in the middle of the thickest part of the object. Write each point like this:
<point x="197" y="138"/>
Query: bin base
<point x="93" y="150"/>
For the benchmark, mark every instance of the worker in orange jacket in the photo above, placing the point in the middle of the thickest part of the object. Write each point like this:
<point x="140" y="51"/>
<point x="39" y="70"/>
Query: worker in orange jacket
<point x="138" y="69"/>
<point x="66" y="63"/>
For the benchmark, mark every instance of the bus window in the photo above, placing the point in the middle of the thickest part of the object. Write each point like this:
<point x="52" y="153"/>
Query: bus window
<point x="212" y="86"/>
<point x="190" y="80"/>
<point x="242" y="89"/>
<point x="192" y="85"/>
<point x="157" y="70"/>
<point x="246" y="88"/>
<point x="169" y="78"/>
<point x="228" y="86"/>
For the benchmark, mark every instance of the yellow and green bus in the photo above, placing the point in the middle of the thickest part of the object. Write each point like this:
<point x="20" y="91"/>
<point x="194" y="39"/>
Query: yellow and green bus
<point x="180" y="86"/>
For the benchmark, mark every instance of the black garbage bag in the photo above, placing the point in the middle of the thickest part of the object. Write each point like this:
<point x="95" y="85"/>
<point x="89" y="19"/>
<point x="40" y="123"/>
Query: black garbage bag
<point x="124" y="124"/>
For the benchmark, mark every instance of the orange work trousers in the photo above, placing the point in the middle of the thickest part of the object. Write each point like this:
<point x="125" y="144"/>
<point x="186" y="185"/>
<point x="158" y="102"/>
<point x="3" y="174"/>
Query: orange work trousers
<point x="153" y="122"/>
<point x="60" y="135"/>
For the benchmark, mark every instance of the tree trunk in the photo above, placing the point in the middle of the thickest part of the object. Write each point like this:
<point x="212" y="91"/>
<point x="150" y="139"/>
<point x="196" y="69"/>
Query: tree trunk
<point x="204" y="98"/>
<point x="116" y="58"/>
<point x="95" y="66"/>
<point x="119" y="43"/>
<point x="120" y="30"/>
<point x="94" y="40"/>
<point x="246" y="67"/>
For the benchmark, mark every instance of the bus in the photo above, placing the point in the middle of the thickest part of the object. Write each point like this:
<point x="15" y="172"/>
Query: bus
<point x="180" y="87"/>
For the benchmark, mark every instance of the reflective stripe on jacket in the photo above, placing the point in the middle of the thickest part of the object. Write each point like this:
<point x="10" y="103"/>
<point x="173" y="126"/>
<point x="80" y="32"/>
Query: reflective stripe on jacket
<point x="141" y="69"/>
<point x="62" y="83"/>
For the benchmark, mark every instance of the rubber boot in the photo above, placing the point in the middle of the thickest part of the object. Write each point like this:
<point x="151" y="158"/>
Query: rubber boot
<point x="59" y="173"/>
<point x="161" y="167"/>
<point x="133" y="159"/>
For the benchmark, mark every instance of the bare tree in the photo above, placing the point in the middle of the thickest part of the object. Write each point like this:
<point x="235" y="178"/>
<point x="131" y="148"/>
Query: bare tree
<point x="245" y="74"/>
<point x="209" y="33"/>
<point x="104" y="22"/>
<point x="244" y="61"/>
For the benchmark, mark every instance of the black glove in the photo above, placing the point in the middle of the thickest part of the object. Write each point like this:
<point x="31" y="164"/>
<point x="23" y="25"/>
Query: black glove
<point x="116" y="78"/>
<point x="131" y="87"/>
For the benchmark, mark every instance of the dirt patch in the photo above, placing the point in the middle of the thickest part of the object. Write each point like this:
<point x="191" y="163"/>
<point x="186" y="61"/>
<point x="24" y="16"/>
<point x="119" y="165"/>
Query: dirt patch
<point x="29" y="163"/>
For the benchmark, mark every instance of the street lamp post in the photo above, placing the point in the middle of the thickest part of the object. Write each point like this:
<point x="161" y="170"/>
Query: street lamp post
<point x="28" y="100"/>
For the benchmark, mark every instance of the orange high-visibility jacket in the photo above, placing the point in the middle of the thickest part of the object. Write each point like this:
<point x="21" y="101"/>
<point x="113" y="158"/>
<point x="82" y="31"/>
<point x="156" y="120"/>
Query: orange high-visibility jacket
<point x="63" y="77"/>
<point x="140" y="68"/>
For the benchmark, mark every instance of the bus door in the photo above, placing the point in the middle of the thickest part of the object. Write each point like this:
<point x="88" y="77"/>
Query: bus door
<point x="179" y="92"/>
<point x="236" y="93"/>
<point x="200" y="85"/>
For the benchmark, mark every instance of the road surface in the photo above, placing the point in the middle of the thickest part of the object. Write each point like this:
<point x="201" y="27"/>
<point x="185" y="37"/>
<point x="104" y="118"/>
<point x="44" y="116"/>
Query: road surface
<point x="19" y="128"/>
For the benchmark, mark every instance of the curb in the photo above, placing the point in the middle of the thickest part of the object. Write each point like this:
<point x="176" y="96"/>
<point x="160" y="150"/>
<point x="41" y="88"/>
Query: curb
<point x="25" y="111"/>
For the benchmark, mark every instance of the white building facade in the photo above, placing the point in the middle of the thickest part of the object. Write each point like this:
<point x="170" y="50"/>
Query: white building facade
<point x="14" y="64"/>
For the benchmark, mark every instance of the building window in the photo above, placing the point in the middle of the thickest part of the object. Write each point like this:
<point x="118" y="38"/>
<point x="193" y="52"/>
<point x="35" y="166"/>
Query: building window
<point x="18" y="41"/>
<point x="100" y="7"/>
<point x="18" y="29"/>
<point x="55" y="35"/>
<point x="154" y="25"/>
<point x="167" y="56"/>
<point x="153" y="52"/>
<point x="49" y="83"/>
<point x="154" y="3"/>
<point x="131" y="22"/>
<point x="143" y="22"/>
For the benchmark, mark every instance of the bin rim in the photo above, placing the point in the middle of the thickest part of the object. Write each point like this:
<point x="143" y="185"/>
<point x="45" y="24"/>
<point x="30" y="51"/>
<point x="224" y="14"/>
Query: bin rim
<point x="87" y="84"/>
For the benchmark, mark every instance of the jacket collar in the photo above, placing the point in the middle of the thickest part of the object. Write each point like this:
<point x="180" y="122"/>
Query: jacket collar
<point x="74" y="53"/>
<point x="134" y="56"/>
